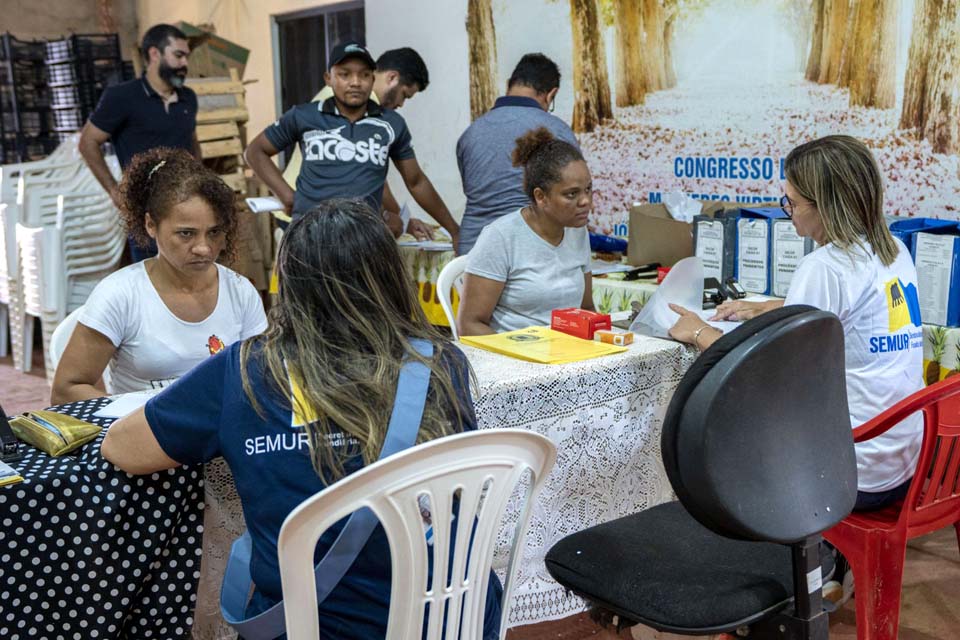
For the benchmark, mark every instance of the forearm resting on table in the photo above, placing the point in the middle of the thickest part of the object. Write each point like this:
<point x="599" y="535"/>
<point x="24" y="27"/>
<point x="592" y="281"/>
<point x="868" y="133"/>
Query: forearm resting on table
<point x="131" y="446"/>
<point x="65" y="391"/>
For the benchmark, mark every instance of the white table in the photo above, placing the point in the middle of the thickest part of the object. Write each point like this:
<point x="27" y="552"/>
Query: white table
<point x="605" y="417"/>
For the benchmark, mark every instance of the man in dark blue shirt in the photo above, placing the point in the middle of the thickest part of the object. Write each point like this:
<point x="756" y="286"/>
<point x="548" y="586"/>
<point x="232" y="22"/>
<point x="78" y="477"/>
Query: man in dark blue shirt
<point x="346" y="142"/>
<point x="154" y="110"/>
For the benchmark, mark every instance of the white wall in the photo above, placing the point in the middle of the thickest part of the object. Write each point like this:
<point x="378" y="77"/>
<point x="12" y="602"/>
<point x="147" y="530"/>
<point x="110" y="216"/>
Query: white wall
<point x="435" y="28"/>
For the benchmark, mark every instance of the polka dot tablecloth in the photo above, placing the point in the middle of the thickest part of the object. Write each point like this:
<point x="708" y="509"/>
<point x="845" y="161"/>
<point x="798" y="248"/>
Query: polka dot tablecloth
<point x="87" y="551"/>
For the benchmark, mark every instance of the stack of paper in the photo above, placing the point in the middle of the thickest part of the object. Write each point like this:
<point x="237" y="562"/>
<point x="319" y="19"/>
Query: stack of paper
<point x="9" y="475"/>
<point x="543" y="345"/>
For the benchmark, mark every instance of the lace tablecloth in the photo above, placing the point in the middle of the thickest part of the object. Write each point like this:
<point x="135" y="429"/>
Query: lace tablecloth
<point x="605" y="417"/>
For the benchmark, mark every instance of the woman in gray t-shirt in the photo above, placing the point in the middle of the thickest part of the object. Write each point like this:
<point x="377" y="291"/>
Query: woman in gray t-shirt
<point x="536" y="259"/>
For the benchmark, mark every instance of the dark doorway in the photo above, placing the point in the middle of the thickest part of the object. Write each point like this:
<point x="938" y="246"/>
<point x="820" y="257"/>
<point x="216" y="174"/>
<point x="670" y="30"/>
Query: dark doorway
<point x="304" y="42"/>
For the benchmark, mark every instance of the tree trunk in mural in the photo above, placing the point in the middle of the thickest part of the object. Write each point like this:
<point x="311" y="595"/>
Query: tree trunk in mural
<point x="631" y="80"/>
<point x="851" y="48"/>
<point x="931" y="99"/>
<point x="670" y="74"/>
<point x="816" y="44"/>
<point x="482" y="53"/>
<point x="590" y="84"/>
<point x="873" y="62"/>
<point x="833" y="41"/>
<point x="653" y="50"/>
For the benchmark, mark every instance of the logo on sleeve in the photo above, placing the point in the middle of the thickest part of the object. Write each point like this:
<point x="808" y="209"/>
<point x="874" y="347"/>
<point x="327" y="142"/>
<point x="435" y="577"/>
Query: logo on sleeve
<point x="903" y="312"/>
<point x="903" y="305"/>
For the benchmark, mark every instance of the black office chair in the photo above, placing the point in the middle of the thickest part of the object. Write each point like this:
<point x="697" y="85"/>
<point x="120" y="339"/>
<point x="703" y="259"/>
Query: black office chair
<point x="758" y="448"/>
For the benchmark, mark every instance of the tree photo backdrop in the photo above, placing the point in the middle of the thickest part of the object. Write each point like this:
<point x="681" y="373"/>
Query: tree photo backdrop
<point x="707" y="97"/>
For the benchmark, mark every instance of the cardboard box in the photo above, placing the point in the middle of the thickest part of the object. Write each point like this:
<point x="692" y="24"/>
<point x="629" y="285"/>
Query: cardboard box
<point x="654" y="236"/>
<point x="937" y="256"/>
<point x="579" y="322"/>
<point x="212" y="56"/>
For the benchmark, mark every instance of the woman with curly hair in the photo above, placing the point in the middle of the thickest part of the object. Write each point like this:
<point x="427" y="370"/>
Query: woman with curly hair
<point x="151" y="322"/>
<point x="536" y="259"/>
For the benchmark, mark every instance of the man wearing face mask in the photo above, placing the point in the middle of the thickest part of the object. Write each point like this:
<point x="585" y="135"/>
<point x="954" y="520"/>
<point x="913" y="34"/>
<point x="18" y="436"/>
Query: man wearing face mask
<point x="154" y="110"/>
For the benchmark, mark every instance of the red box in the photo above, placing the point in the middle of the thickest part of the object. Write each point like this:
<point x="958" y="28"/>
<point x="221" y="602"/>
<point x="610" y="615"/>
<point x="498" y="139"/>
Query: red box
<point x="578" y="322"/>
<point x="662" y="273"/>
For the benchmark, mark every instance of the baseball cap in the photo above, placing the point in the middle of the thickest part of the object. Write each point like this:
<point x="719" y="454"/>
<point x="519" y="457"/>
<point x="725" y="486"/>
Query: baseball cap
<point x="346" y="50"/>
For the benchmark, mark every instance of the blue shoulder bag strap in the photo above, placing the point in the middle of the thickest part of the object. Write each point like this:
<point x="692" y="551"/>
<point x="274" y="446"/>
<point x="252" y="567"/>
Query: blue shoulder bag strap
<point x="412" y="385"/>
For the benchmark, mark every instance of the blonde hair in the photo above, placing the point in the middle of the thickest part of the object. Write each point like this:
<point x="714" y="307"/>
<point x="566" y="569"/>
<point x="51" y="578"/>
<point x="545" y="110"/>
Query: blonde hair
<point x="841" y="177"/>
<point x="341" y="330"/>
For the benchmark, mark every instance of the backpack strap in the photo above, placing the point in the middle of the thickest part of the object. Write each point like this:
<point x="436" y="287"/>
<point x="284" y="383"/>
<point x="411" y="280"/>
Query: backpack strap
<point x="412" y="386"/>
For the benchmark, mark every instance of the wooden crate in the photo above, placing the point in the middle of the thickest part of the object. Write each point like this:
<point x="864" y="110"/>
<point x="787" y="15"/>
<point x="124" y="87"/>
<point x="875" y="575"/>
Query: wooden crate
<point x="220" y="126"/>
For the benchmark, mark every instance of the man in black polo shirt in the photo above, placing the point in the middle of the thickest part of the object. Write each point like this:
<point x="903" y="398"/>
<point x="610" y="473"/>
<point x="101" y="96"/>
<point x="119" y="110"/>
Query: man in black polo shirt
<point x="345" y="142"/>
<point x="154" y="110"/>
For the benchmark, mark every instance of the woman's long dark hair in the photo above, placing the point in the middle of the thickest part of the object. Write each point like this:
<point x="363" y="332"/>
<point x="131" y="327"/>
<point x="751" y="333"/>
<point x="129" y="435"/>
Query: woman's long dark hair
<point x="341" y="329"/>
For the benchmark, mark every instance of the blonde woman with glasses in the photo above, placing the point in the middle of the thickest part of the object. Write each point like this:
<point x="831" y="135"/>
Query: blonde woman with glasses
<point x="867" y="278"/>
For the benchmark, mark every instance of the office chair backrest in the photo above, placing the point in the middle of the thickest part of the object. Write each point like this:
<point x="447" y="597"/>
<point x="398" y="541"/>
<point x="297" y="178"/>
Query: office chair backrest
<point x="757" y="441"/>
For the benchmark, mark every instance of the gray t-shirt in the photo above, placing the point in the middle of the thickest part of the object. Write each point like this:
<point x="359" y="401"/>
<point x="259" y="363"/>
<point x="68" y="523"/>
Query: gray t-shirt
<point x="538" y="277"/>
<point x="493" y="186"/>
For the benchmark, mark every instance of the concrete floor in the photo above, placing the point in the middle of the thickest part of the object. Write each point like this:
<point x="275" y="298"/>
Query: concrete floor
<point x="931" y="593"/>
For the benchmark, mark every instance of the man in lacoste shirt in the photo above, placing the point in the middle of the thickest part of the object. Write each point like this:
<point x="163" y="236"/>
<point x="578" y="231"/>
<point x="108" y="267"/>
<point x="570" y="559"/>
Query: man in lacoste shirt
<point x="346" y="142"/>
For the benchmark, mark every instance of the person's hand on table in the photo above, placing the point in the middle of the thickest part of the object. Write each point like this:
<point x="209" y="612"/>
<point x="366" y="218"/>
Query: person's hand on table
<point x="692" y="329"/>
<point x="739" y="310"/>
<point x="419" y="229"/>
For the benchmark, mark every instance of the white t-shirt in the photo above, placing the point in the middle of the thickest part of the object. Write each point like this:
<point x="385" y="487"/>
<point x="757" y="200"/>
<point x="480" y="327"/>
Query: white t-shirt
<point x="880" y="312"/>
<point x="155" y="347"/>
<point x="538" y="277"/>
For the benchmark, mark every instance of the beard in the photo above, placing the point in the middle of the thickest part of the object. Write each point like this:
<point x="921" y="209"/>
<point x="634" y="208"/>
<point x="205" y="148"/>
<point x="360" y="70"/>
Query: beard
<point x="174" y="77"/>
<point x="391" y="98"/>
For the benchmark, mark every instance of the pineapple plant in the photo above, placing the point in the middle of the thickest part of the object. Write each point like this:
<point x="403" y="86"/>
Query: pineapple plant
<point x="956" y="371"/>
<point x="938" y="340"/>
<point x="606" y="301"/>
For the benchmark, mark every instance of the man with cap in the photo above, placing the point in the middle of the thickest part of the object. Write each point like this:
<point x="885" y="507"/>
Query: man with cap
<point x="345" y="141"/>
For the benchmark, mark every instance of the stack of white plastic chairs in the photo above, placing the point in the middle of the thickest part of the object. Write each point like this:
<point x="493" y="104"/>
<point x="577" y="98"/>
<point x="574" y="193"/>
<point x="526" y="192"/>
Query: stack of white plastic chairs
<point x="64" y="155"/>
<point x="69" y="238"/>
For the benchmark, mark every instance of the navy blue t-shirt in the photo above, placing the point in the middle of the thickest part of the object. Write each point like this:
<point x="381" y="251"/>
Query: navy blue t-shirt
<point x="137" y="120"/>
<point x="341" y="159"/>
<point x="206" y="414"/>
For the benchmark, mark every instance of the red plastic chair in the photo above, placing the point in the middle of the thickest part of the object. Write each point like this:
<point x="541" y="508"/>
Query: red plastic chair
<point x="875" y="542"/>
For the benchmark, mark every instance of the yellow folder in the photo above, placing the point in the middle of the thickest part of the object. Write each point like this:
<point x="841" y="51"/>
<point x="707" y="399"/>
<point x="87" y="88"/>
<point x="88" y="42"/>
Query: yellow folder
<point x="541" y="344"/>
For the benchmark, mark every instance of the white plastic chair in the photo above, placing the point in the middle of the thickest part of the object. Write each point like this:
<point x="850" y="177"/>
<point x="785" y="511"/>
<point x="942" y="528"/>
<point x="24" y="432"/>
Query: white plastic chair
<point x="451" y="276"/>
<point x="61" y="336"/>
<point x="483" y="468"/>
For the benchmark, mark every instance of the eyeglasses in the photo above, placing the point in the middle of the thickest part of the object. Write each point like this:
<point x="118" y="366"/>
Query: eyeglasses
<point x="786" y="206"/>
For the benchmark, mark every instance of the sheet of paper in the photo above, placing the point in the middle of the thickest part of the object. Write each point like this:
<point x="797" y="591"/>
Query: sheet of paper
<point x="427" y="245"/>
<point x="264" y="205"/>
<point x="600" y="267"/>
<point x="683" y="286"/>
<point x="125" y="404"/>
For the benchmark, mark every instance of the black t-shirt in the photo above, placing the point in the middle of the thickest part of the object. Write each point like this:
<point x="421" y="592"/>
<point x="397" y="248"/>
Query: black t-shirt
<point x="135" y="117"/>
<point x="341" y="159"/>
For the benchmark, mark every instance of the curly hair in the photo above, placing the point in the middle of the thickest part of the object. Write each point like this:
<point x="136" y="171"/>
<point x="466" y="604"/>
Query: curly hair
<point x="543" y="157"/>
<point x="161" y="178"/>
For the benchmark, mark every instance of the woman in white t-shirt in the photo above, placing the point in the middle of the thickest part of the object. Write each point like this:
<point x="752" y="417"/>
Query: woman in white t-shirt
<point x="537" y="259"/>
<point x="149" y="323"/>
<point x="834" y="195"/>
